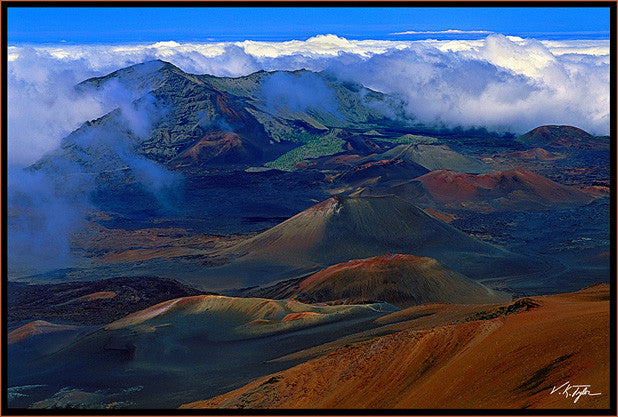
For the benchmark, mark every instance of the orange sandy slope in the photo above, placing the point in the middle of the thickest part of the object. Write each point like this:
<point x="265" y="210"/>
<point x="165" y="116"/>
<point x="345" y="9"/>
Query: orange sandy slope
<point x="450" y="186"/>
<point x="37" y="327"/>
<point x="512" y="361"/>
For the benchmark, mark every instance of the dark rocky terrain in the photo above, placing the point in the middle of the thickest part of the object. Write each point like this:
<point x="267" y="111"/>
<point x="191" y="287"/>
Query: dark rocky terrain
<point x="91" y="302"/>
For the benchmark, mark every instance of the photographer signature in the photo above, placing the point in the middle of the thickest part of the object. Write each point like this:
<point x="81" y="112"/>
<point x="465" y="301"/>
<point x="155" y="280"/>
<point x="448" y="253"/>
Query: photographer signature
<point x="573" y="391"/>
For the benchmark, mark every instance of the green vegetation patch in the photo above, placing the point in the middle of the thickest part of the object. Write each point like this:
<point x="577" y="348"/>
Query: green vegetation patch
<point x="329" y="144"/>
<point x="409" y="138"/>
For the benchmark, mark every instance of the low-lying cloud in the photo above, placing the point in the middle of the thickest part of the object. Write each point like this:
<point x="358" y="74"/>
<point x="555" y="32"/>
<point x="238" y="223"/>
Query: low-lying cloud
<point x="298" y="92"/>
<point x="49" y="201"/>
<point x="43" y="212"/>
<point x="520" y="83"/>
<point x="444" y="32"/>
<point x="502" y="85"/>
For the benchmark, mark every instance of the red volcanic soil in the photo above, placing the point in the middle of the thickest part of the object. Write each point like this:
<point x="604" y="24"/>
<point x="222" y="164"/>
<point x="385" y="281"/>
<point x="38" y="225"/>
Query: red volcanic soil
<point x="35" y="328"/>
<point x="219" y="146"/>
<point x="101" y="295"/>
<point x="596" y="190"/>
<point x="446" y="185"/>
<point x="363" y="145"/>
<point x="536" y="153"/>
<point x="562" y="136"/>
<point x="342" y="160"/>
<point x="509" y="361"/>
<point x="401" y="280"/>
<point x="224" y="104"/>
<point x="304" y="165"/>
<point x="519" y="184"/>
<point x="447" y="218"/>
<point x="298" y="316"/>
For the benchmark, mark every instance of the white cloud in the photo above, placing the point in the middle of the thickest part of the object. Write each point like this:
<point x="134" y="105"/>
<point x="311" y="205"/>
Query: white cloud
<point x="444" y="32"/>
<point x="530" y="58"/>
<point x="320" y="46"/>
<point x="498" y="83"/>
<point x="43" y="106"/>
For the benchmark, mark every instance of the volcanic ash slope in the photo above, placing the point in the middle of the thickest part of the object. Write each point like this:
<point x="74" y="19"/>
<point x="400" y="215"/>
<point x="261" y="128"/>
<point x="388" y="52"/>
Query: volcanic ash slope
<point x="401" y="280"/>
<point x="187" y="347"/>
<point x="343" y="228"/>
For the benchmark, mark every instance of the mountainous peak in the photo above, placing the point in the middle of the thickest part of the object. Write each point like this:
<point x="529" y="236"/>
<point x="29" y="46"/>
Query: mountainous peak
<point x="217" y="147"/>
<point x="447" y="174"/>
<point x="300" y="71"/>
<point x="534" y="153"/>
<point x="344" y="228"/>
<point x="557" y="135"/>
<point x="519" y="184"/>
<point x="452" y="176"/>
<point x="435" y="157"/>
<point x="173" y="117"/>
<point x="524" y="175"/>
<point x="367" y="263"/>
<point x="324" y="206"/>
<point x="154" y="65"/>
<point x="135" y="75"/>
<point x="401" y="280"/>
<point x="381" y="171"/>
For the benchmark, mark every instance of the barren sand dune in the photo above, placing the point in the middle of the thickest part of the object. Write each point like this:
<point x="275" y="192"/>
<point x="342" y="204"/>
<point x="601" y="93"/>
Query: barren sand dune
<point x="219" y="319"/>
<point x="189" y="347"/>
<point x="35" y="328"/>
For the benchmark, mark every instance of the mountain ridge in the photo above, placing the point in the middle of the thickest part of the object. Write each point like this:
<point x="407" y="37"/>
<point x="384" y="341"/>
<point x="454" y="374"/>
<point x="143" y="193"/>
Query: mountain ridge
<point x="172" y="111"/>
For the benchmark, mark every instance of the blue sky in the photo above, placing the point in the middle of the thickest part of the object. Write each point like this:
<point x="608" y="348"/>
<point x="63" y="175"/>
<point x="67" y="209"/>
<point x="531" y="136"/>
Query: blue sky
<point x="87" y="25"/>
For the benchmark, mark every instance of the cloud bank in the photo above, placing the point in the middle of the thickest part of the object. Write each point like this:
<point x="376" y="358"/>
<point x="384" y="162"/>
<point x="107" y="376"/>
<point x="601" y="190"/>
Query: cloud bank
<point x="444" y="32"/>
<point x="499" y="82"/>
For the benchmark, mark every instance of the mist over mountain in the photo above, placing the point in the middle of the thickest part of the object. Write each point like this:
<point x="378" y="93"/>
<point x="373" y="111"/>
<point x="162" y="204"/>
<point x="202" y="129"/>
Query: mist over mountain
<point x="174" y="111"/>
